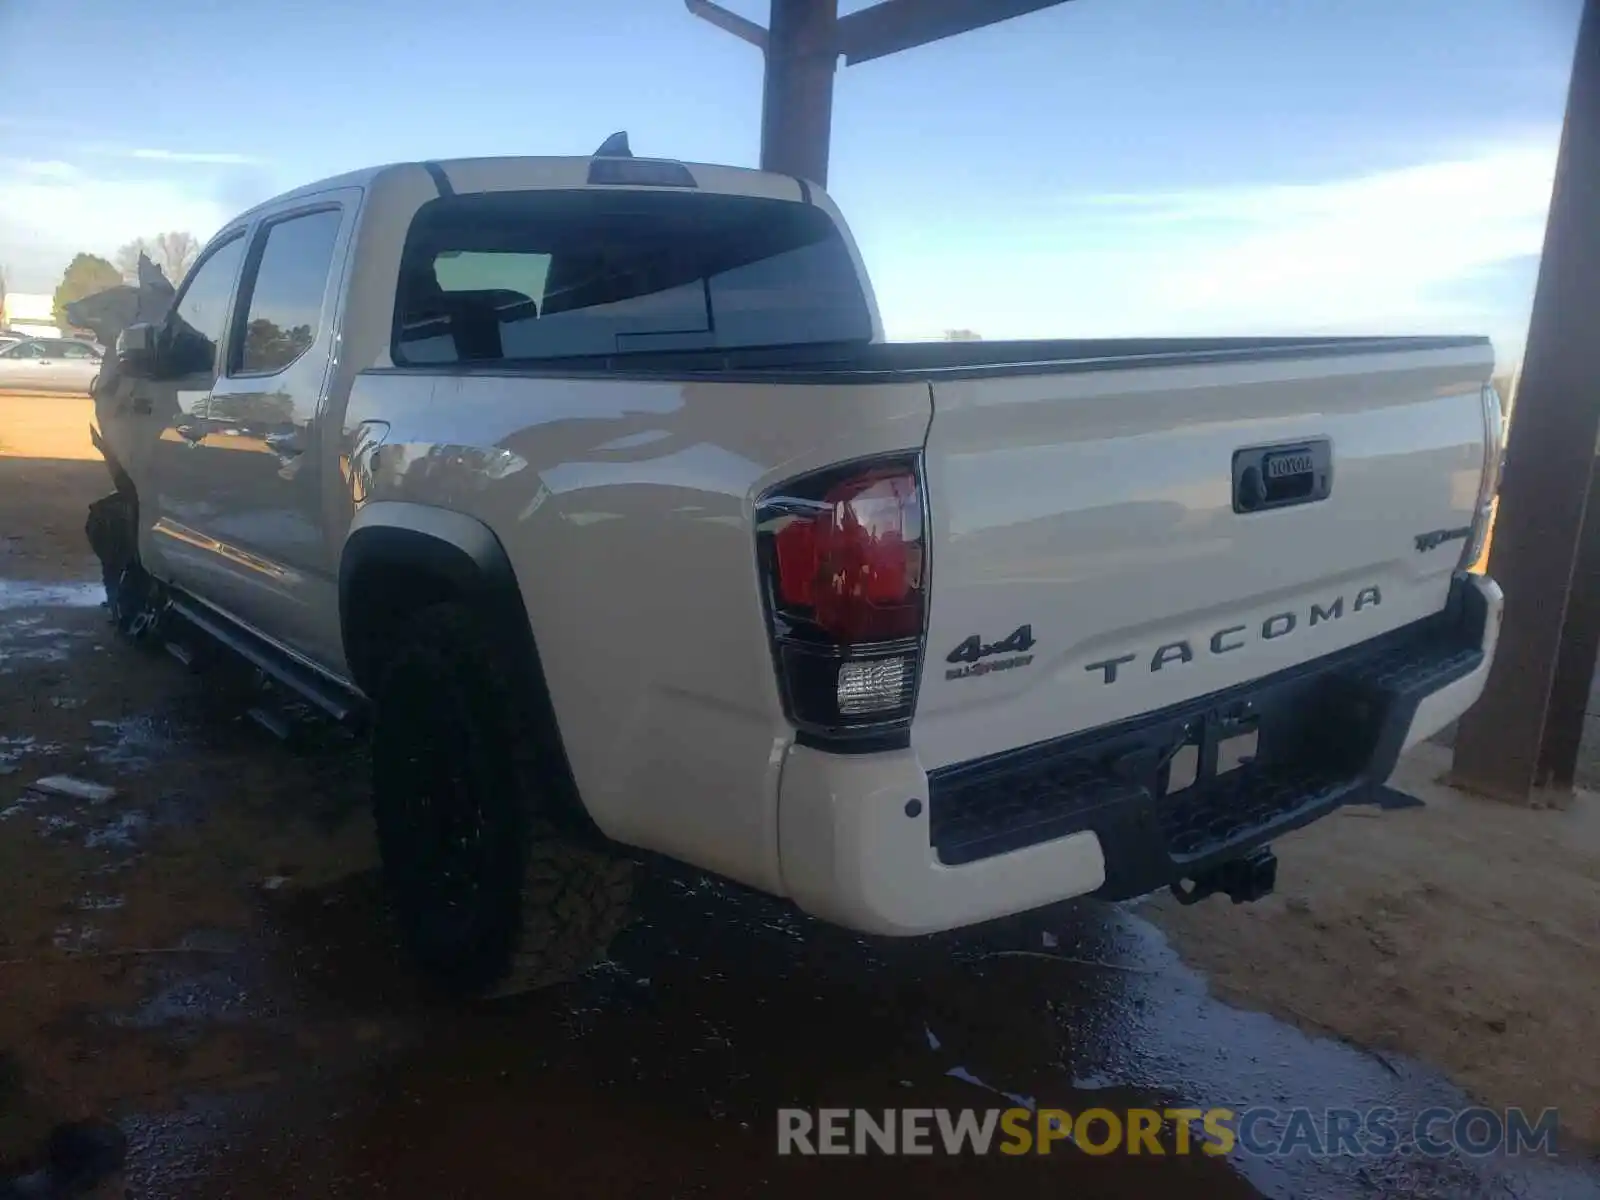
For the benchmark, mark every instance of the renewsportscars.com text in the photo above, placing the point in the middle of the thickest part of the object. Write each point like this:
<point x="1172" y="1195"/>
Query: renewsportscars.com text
<point x="1258" y="1132"/>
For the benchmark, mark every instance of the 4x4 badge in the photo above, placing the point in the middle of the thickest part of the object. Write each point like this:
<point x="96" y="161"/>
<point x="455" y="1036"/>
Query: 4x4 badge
<point x="974" y="650"/>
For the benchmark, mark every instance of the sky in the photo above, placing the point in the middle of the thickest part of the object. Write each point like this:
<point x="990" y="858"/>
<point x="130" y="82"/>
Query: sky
<point x="1101" y="168"/>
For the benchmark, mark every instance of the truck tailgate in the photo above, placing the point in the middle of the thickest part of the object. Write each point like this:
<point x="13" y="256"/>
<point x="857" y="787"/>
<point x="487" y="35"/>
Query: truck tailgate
<point x="1108" y="541"/>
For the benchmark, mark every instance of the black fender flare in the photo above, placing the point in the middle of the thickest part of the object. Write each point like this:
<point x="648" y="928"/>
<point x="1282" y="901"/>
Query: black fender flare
<point x="434" y="543"/>
<point x="459" y="556"/>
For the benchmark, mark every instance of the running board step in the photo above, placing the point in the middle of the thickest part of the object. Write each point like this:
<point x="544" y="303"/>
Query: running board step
<point x="342" y="704"/>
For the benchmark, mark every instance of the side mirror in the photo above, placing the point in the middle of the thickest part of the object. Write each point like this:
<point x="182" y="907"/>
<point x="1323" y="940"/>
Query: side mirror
<point x="136" y="351"/>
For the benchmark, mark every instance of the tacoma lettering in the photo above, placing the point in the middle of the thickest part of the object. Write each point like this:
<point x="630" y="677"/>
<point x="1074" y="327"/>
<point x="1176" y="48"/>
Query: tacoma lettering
<point x="1236" y="637"/>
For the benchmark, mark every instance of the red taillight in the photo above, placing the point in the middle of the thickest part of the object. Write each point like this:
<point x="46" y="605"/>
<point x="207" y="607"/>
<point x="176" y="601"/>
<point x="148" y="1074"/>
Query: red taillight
<point x="845" y="563"/>
<point x="856" y="562"/>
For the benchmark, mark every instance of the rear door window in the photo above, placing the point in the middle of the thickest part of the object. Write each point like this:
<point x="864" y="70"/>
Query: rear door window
<point x="522" y="276"/>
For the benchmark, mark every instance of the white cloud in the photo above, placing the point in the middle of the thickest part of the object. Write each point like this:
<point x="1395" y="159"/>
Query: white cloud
<point x="40" y="168"/>
<point x="106" y="194"/>
<point x="211" y="157"/>
<point x="1392" y="251"/>
<point x="48" y="216"/>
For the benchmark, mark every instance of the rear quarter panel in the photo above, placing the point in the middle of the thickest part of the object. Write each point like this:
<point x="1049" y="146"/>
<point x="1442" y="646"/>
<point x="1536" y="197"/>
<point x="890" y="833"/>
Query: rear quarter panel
<point x="626" y="509"/>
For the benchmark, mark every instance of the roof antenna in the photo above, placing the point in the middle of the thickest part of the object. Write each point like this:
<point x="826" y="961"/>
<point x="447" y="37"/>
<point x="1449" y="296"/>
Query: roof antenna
<point x="615" y="146"/>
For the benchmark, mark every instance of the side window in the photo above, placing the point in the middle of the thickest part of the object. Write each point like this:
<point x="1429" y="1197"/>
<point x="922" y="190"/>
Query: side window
<point x="201" y="314"/>
<point x="284" y="309"/>
<point x="26" y="350"/>
<point x="75" y="350"/>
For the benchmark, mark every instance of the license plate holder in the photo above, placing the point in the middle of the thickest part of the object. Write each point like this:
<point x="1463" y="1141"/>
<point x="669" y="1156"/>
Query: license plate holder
<point x="1218" y="744"/>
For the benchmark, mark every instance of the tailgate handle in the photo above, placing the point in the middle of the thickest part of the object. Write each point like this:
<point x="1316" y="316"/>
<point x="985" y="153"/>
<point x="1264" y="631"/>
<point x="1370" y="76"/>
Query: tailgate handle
<point x="1282" y="475"/>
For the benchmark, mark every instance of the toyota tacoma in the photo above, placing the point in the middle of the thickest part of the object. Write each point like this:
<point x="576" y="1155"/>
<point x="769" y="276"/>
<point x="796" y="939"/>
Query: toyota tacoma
<point x="591" y="488"/>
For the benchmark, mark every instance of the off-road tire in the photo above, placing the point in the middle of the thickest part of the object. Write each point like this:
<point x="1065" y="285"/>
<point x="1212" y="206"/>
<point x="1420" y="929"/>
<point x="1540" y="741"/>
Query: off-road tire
<point x="489" y="898"/>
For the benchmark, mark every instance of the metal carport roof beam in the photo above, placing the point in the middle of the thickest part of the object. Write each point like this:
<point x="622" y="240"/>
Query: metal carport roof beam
<point x="803" y="41"/>
<point x="896" y="25"/>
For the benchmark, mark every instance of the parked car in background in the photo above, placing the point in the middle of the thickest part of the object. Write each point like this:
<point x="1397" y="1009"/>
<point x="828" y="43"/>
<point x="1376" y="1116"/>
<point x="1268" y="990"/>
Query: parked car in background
<point x="49" y="365"/>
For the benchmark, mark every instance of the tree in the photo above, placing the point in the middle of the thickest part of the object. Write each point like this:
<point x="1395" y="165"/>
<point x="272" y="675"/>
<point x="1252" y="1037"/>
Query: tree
<point x="272" y="347"/>
<point x="85" y="275"/>
<point x="173" y="252"/>
<point x="962" y="335"/>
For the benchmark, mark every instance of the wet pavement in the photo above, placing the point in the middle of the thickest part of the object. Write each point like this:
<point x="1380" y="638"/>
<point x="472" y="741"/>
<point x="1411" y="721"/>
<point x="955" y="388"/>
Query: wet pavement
<point x="667" y="1065"/>
<point x="20" y="594"/>
<point x="223" y="906"/>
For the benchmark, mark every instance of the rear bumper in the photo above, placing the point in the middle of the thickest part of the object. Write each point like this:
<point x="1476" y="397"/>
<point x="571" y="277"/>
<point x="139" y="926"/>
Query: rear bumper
<point x="874" y="843"/>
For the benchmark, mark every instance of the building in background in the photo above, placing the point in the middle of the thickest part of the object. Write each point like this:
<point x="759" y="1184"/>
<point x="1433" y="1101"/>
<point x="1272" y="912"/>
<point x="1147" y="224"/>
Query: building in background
<point x="29" y="313"/>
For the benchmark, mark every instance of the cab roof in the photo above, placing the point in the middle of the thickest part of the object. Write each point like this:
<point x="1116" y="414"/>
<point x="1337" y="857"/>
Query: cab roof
<point x="529" y="173"/>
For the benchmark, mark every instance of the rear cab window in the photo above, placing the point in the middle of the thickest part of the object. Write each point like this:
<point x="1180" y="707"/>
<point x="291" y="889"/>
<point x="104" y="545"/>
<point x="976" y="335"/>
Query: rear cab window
<point x="526" y="276"/>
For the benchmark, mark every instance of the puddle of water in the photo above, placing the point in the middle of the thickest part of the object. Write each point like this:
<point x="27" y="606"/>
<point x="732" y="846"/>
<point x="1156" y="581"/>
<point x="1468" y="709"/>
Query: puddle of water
<point x="712" y="1014"/>
<point x="1151" y="1029"/>
<point x="132" y="743"/>
<point x="11" y="752"/>
<point x="212" y="996"/>
<point x="122" y="832"/>
<point x="14" y="749"/>
<point x="36" y="645"/>
<point x="16" y="593"/>
<point x="27" y="638"/>
<point x="55" y="825"/>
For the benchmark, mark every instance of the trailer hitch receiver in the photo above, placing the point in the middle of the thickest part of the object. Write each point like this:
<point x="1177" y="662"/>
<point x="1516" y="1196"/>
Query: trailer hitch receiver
<point x="1242" y="880"/>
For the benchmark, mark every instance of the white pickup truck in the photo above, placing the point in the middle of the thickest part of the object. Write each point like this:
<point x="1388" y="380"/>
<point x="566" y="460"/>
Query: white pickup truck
<point x="591" y="484"/>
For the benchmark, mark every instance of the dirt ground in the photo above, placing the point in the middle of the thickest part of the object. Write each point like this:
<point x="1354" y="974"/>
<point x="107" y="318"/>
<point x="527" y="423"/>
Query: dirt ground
<point x="1465" y="933"/>
<point x="102" y="905"/>
<point x="204" y="958"/>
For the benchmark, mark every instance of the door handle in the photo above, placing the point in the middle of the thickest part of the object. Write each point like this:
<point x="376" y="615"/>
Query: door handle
<point x="193" y="434"/>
